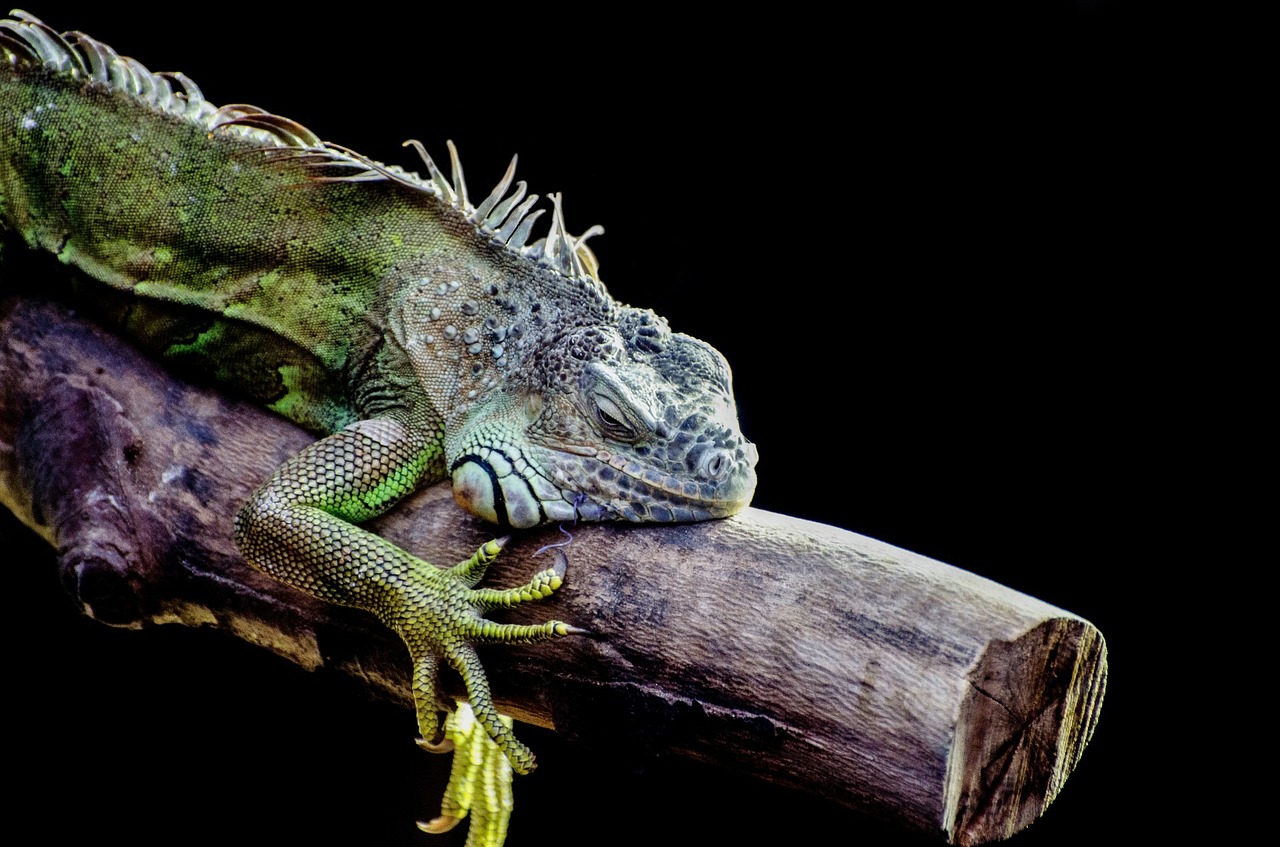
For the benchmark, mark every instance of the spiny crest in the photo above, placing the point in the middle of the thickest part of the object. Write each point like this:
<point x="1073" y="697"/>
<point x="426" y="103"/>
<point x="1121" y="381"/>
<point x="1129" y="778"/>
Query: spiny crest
<point x="506" y="217"/>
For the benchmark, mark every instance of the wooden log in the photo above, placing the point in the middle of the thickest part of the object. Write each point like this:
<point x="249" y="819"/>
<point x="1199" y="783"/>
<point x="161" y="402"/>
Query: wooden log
<point x="803" y="654"/>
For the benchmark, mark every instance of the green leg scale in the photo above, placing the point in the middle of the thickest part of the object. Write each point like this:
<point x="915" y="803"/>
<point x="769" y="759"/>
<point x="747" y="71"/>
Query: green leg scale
<point x="299" y="527"/>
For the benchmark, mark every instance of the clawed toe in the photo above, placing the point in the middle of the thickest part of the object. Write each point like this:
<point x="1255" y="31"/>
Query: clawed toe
<point x="440" y="824"/>
<point x="441" y="745"/>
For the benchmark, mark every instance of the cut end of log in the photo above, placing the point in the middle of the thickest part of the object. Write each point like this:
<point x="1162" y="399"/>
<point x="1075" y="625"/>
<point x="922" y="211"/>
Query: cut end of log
<point x="1030" y="711"/>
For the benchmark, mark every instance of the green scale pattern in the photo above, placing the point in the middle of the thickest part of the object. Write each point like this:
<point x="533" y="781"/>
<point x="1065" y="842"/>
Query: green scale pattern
<point x="298" y="527"/>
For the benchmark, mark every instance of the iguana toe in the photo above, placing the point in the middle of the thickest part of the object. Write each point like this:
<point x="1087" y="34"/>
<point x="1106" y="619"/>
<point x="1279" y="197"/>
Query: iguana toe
<point x="439" y="616"/>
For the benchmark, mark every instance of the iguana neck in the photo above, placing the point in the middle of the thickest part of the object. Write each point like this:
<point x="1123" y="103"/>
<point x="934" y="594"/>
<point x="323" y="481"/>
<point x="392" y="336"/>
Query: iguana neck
<point x="474" y="322"/>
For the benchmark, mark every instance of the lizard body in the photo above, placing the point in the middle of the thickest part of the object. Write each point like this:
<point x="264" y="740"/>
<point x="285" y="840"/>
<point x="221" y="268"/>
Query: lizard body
<point x="426" y="335"/>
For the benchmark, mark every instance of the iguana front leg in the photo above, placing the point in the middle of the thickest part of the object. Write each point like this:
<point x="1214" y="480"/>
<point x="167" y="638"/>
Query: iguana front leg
<point x="298" y="527"/>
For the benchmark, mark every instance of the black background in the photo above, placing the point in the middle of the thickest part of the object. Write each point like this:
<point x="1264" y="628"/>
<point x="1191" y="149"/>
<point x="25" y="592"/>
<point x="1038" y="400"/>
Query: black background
<point x="909" y="234"/>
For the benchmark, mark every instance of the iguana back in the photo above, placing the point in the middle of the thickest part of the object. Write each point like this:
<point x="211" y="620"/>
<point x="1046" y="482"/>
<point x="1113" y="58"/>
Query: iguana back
<point x="253" y="250"/>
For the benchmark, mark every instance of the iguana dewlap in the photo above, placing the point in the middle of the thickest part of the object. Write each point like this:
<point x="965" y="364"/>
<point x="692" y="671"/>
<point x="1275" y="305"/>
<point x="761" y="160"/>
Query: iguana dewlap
<point x="428" y="336"/>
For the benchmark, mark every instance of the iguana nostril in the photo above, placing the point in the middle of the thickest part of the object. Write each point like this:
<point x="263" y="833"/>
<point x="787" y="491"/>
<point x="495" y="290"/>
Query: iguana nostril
<point x="715" y="464"/>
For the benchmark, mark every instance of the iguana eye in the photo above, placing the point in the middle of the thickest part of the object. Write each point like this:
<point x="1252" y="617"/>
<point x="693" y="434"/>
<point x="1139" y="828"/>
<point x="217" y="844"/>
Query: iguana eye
<point x="613" y="420"/>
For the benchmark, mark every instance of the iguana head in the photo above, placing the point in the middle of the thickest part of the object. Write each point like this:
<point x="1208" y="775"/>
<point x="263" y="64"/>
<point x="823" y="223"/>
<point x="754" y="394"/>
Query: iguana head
<point x="624" y="421"/>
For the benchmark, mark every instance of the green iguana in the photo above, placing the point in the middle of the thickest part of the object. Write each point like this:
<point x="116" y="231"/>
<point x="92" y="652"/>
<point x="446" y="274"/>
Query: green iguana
<point x="426" y="335"/>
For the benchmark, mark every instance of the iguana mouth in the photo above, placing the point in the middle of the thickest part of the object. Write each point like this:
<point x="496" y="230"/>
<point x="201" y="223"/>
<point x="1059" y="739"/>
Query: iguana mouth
<point x="723" y="485"/>
<point x="621" y="488"/>
<point x="574" y="485"/>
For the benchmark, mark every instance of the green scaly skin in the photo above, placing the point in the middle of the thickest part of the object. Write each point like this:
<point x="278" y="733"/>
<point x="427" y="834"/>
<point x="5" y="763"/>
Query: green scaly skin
<point x="298" y="529"/>
<point x="424" y="335"/>
<point x="480" y="782"/>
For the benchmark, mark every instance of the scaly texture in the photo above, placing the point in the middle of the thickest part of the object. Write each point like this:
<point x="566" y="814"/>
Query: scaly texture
<point x="428" y="337"/>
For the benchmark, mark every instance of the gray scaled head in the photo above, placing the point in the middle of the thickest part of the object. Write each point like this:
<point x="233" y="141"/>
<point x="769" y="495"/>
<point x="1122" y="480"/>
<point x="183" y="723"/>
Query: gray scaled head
<point x="621" y="421"/>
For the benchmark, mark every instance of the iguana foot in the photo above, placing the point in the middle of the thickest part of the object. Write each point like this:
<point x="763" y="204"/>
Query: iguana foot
<point x="486" y="750"/>
<point x="438" y="613"/>
<point x="479" y="782"/>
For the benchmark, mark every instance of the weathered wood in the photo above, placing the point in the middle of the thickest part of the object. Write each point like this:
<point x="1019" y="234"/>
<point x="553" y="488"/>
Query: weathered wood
<point x="807" y="655"/>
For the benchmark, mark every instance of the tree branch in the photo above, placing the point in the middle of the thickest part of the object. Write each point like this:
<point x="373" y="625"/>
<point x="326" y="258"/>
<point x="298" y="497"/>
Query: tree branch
<point x="806" y="655"/>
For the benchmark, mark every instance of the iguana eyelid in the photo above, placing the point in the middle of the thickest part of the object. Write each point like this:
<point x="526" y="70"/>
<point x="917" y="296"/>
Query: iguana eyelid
<point x="612" y="397"/>
<point x="615" y="420"/>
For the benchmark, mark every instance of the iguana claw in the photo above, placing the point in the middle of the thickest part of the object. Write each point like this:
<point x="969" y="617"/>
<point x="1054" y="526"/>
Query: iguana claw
<point x="443" y="745"/>
<point x="439" y="824"/>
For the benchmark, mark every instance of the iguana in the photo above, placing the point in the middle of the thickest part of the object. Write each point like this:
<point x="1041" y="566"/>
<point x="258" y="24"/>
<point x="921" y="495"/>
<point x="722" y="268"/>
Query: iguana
<point x="424" y="335"/>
